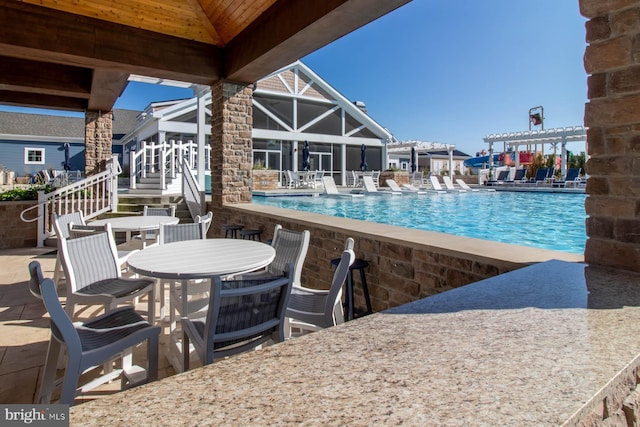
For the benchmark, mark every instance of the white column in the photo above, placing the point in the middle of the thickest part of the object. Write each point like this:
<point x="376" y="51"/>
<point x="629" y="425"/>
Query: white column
<point x="201" y="141"/>
<point x="563" y="163"/>
<point x="343" y="164"/>
<point x="294" y="157"/>
<point x="450" y="150"/>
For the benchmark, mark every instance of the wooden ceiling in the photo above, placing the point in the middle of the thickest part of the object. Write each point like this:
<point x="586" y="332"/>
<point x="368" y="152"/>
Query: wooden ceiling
<point x="78" y="54"/>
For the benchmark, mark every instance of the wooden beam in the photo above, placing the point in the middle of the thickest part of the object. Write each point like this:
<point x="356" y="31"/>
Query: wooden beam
<point x="44" y="34"/>
<point x="22" y="75"/>
<point x="36" y="100"/>
<point x="291" y="29"/>
<point x="106" y="87"/>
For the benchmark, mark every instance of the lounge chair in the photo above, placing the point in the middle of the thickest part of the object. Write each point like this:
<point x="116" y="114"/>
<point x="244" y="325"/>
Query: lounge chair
<point x="503" y="176"/>
<point x="393" y="185"/>
<point x="330" y="189"/>
<point x="519" y="177"/>
<point x="370" y="188"/>
<point x="540" y="177"/>
<point x="465" y="186"/>
<point x="450" y="187"/>
<point x="572" y="177"/>
<point x="436" y="184"/>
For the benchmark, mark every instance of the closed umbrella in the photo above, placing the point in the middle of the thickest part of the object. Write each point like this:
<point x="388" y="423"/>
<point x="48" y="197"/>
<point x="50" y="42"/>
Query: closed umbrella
<point x="363" y="158"/>
<point x="305" y="157"/>
<point x="414" y="162"/>
<point x="67" y="164"/>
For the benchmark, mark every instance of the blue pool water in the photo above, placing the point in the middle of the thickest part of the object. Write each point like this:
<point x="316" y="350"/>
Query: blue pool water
<point x="544" y="220"/>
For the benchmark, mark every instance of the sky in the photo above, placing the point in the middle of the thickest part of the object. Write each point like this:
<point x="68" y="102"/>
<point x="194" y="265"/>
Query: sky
<point x="451" y="71"/>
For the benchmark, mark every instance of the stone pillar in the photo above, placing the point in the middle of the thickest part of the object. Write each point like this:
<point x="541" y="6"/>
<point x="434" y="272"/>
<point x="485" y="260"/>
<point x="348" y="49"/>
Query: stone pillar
<point x="97" y="140"/>
<point x="612" y="61"/>
<point x="231" y="126"/>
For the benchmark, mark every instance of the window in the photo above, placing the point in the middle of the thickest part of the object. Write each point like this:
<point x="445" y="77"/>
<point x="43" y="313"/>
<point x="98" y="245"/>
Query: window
<point x="33" y="156"/>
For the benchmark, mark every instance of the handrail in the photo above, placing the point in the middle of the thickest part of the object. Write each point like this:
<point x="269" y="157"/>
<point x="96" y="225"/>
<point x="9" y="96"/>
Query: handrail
<point x="193" y="195"/>
<point x="93" y="196"/>
<point x="164" y="158"/>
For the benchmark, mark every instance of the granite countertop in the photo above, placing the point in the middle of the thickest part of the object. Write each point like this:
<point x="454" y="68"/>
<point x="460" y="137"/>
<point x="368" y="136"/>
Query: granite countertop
<point x="529" y="347"/>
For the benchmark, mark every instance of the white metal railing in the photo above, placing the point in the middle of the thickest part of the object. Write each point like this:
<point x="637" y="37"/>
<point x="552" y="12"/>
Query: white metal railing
<point x="93" y="196"/>
<point x="163" y="158"/>
<point x="193" y="195"/>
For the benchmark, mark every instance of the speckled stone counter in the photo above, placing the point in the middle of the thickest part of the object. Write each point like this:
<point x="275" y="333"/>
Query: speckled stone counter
<point x="534" y="347"/>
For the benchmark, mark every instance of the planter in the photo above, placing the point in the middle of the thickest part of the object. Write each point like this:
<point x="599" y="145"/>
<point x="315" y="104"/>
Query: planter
<point x="400" y="177"/>
<point x="265" y="179"/>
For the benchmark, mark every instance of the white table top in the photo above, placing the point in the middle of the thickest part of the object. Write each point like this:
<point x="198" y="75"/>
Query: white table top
<point x="136" y="222"/>
<point x="199" y="259"/>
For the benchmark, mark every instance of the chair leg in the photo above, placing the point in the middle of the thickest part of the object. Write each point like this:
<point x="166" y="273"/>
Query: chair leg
<point x="185" y="351"/>
<point x="47" y="383"/>
<point x="70" y="383"/>
<point x="57" y="271"/>
<point x="152" y="357"/>
<point x="151" y="313"/>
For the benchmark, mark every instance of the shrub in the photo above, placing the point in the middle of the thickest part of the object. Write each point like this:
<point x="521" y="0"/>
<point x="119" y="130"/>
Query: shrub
<point x="30" y="193"/>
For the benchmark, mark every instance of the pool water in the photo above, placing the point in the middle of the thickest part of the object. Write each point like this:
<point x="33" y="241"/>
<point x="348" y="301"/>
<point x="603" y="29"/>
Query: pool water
<point x="544" y="220"/>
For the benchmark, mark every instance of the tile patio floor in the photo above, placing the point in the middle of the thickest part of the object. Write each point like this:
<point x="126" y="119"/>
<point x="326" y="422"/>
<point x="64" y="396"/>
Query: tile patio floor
<point x="24" y="330"/>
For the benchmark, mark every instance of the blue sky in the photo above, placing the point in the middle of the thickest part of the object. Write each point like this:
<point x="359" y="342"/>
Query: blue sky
<point x="452" y="71"/>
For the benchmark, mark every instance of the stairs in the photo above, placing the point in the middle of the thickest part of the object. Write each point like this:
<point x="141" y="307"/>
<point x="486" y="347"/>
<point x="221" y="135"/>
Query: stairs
<point x="133" y="204"/>
<point x="151" y="185"/>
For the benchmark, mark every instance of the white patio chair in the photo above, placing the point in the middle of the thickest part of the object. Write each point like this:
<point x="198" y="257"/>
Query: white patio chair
<point x="61" y="229"/>
<point x="152" y="235"/>
<point x="291" y="247"/>
<point x="242" y="315"/>
<point x="205" y="220"/>
<point x="90" y="344"/>
<point x="170" y="233"/>
<point x="94" y="275"/>
<point x="312" y="309"/>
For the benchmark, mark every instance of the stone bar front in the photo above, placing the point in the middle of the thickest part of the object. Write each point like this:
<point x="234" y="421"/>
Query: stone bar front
<point x="548" y="344"/>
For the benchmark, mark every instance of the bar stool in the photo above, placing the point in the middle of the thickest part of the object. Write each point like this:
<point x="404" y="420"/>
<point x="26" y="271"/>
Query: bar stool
<point x="232" y="230"/>
<point x="360" y="265"/>
<point x="251" y="234"/>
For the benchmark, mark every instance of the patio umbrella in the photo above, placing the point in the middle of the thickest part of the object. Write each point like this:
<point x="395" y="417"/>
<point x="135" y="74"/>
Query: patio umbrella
<point x="363" y="158"/>
<point x="67" y="164"/>
<point x="414" y="163"/>
<point x="305" y="157"/>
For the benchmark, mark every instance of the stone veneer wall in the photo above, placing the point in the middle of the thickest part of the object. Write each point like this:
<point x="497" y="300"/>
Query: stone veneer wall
<point x="405" y="265"/>
<point x="231" y="127"/>
<point x="14" y="233"/>
<point x="98" y="137"/>
<point x="612" y="60"/>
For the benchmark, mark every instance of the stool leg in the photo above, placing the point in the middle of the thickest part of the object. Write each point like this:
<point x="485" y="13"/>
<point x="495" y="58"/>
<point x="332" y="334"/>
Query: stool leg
<point x="365" y="291"/>
<point x="350" y="295"/>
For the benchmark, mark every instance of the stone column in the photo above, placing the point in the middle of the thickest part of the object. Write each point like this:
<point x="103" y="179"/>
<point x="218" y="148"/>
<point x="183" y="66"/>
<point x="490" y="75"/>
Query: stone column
<point x="97" y="140"/>
<point x="612" y="60"/>
<point x="231" y="126"/>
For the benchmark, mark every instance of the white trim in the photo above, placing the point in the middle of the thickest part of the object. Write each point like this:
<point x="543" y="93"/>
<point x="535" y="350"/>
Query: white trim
<point x="26" y="155"/>
<point x="40" y="138"/>
<point x="268" y="113"/>
<point x="314" y="137"/>
<point x="317" y="119"/>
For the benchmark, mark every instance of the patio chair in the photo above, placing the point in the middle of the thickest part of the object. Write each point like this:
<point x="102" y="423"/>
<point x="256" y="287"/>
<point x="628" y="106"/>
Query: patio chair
<point x="94" y="276"/>
<point x="61" y="229"/>
<point x="318" y="179"/>
<point x="331" y="190"/>
<point x="170" y="233"/>
<point x="312" y="309"/>
<point x="90" y="344"/>
<point x="291" y="180"/>
<point x="152" y="235"/>
<point x="291" y="247"/>
<point x="242" y="315"/>
<point x="205" y="220"/>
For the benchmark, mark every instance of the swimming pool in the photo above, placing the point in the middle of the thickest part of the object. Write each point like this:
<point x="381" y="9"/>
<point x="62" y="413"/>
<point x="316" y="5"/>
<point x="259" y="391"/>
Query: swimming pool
<point x="543" y="220"/>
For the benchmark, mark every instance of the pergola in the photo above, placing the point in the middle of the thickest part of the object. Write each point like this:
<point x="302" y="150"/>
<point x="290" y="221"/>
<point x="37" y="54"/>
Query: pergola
<point x="553" y="137"/>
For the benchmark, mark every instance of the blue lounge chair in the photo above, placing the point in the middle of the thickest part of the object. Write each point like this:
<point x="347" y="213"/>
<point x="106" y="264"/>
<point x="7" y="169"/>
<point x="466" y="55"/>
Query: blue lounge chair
<point x="541" y="176"/>
<point x="519" y="177"/>
<point x="572" y="177"/>
<point x="503" y="177"/>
